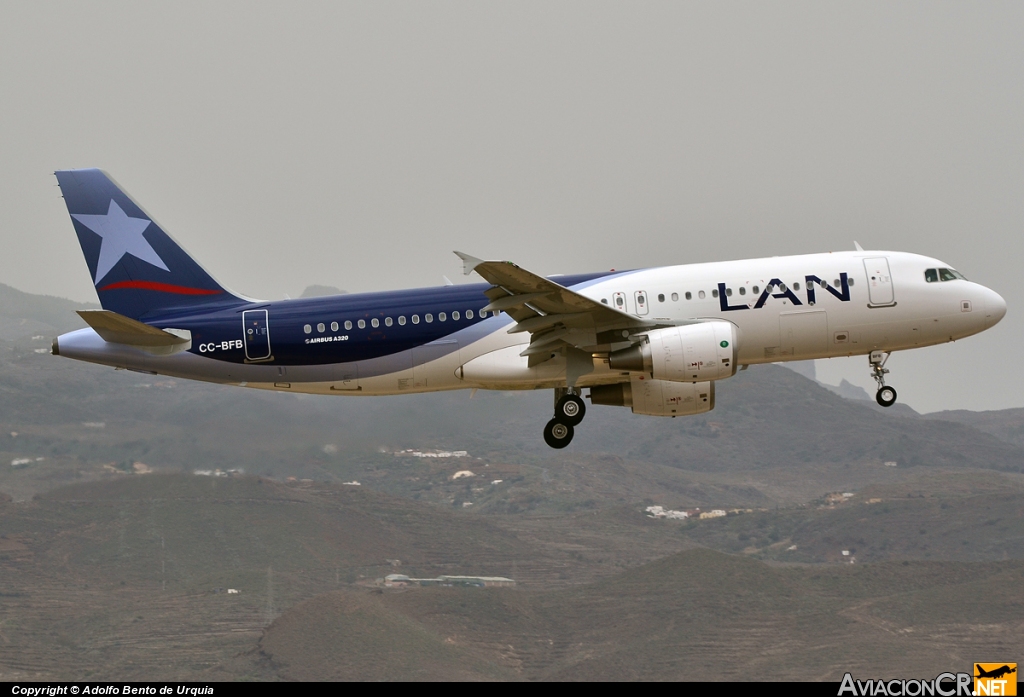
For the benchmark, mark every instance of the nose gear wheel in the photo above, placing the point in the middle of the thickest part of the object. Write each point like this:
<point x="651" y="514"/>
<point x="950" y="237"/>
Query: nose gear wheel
<point x="885" y="396"/>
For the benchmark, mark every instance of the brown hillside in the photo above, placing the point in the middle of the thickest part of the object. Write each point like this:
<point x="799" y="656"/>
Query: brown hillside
<point x="695" y="615"/>
<point x="351" y="635"/>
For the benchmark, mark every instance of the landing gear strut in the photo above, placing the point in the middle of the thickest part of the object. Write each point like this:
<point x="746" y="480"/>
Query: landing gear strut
<point x="569" y="412"/>
<point x="886" y="396"/>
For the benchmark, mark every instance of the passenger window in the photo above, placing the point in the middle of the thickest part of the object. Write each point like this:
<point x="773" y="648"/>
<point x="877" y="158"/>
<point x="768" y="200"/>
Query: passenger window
<point x="415" y="319"/>
<point x="374" y="322"/>
<point x="782" y="287"/>
<point x="700" y="295"/>
<point x="689" y="295"/>
<point x="835" y="283"/>
<point x="469" y="314"/>
<point x="714" y="294"/>
<point x="320" y="327"/>
<point x="362" y="324"/>
<point x="401" y="320"/>
<point x="441" y="317"/>
<point x="455" y="316"/>
<point x="675" y="297"/>
<point x="796" y="286"/>
<point x="348" y="324"/>
<point x="661" y="297"/>
<point x="307" y="329"/>
<point x="849" y="281"/>
<point x="619" y="301"/>
<point x="334" y="326"/>
<point x="755" y="290"/>
<point x="387" y="321"/>
<point x="604" y="300"/>
<point x="428" y="317"/>
<point x="728" y="291"/>
<point x="743" y="290"/>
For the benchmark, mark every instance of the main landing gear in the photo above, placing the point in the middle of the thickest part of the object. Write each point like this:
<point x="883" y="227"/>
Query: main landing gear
<point x="569" y="412"/>
<point x="886" y="396"/>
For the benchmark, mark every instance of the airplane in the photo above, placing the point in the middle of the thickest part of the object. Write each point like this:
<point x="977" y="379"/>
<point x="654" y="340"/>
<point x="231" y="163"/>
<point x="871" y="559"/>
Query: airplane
<point x="653" y="340"/>
<point x="995" y="672"/>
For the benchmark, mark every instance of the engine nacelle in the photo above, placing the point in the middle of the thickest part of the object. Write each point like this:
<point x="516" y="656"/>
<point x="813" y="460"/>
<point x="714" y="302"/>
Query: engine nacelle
<point x="657" y="397"/>
<point x="691" y="353"/>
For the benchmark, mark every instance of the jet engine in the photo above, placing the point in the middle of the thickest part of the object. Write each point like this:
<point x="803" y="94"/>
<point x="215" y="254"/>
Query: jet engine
<point x="657" y="397"/>
<point x="691" y="353"/>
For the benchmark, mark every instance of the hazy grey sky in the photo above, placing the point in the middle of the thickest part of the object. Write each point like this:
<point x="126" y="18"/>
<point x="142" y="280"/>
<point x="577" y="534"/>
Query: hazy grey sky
<point x="358" y="144"/>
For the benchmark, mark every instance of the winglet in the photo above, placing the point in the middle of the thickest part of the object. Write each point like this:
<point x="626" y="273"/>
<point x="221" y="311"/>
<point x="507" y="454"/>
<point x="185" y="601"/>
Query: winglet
<point x="468" y="263"/>
<point x="856" y="245"/>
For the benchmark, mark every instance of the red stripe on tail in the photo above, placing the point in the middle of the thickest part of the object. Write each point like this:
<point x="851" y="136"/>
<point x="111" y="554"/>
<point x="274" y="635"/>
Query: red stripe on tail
<point x="161" y="287"/>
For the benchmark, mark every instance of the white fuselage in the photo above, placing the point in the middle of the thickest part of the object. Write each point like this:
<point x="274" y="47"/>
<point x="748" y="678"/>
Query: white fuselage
<point x="890" y="307"/>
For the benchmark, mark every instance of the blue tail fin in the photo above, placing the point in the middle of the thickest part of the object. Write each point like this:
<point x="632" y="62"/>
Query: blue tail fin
<point x="138" y="270"/>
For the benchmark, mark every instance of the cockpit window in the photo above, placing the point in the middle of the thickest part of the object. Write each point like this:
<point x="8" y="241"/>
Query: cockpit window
<point x="934" y="275"/>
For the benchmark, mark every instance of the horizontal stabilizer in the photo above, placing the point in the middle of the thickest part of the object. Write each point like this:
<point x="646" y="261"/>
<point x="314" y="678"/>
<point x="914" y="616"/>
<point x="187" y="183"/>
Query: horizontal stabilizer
<point x="118" y="329"/>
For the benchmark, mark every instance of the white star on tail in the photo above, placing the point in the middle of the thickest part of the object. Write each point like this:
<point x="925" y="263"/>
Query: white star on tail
<point x="121" y="235"/>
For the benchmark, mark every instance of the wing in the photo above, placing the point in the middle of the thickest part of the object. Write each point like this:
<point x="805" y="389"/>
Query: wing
<point x="555" y="316"/>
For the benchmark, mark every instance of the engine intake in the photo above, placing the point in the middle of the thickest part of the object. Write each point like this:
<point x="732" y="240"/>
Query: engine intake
<point x="691" y="353"/>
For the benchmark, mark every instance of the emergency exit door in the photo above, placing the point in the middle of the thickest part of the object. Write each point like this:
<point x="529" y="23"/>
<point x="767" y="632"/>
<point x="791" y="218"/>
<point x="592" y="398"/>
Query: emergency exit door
<point x="619" y="301"/>
<point x="256" y="334"/>
<point x="640" y="298"/>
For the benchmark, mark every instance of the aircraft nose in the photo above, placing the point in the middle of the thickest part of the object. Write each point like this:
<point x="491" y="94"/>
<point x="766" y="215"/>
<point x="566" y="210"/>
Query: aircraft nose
<point x="995" y="306"/>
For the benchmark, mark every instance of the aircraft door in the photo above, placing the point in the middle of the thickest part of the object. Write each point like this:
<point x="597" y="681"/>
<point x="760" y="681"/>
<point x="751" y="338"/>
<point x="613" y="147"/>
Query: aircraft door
<point x="880" y="292"/>
<point x="641" y="300"/>
<point x="619" y="302"/>
<point x="256" y="334"/>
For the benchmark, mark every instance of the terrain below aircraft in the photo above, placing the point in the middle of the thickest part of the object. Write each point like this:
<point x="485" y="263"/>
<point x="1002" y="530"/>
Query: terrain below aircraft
<point x="654" y="340"/>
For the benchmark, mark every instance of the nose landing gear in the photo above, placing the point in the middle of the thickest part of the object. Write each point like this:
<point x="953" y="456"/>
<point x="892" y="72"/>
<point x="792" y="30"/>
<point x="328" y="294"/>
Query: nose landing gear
<point x="886" y="396"/>
<point x="569" y="412"/>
